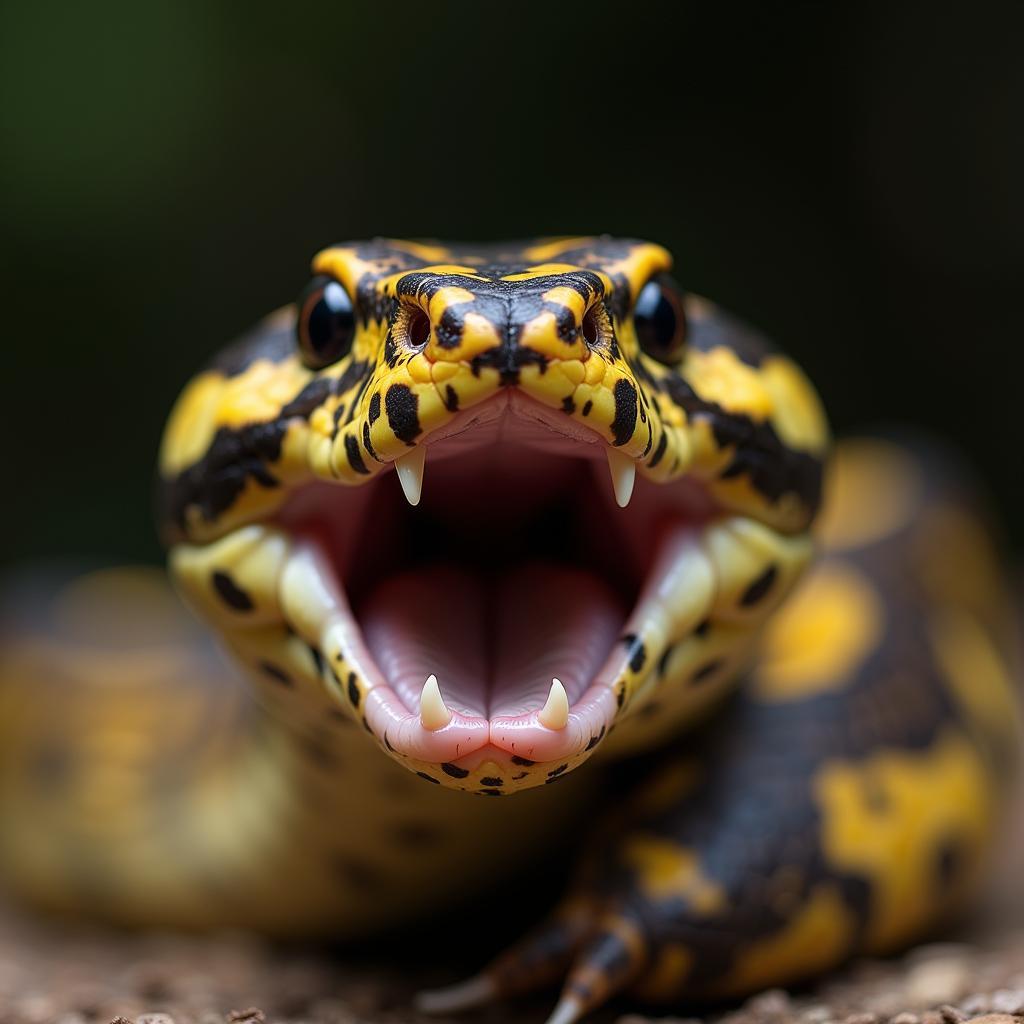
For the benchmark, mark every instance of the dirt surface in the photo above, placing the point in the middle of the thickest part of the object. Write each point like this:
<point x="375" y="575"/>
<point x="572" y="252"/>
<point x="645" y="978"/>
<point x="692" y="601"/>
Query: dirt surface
<point x="54" y="973"/>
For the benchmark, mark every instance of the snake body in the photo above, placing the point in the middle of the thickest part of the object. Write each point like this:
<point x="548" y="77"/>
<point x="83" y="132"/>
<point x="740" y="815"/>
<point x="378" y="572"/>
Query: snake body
<point x="766" y="786"/>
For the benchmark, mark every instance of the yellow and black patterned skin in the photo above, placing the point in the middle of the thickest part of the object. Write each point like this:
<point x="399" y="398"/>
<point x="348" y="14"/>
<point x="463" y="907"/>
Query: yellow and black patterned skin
<point x="774" y="785"/>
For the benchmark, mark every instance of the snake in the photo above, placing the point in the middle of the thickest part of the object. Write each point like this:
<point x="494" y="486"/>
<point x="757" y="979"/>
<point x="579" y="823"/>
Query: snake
<point x="526" y="560"/>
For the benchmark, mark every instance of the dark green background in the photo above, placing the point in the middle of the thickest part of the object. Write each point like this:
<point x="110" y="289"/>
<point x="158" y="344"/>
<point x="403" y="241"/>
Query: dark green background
<point x="848" y="178"/>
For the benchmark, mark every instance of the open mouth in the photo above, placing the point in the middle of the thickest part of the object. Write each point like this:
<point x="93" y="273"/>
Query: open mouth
<point x="492" y="620"/>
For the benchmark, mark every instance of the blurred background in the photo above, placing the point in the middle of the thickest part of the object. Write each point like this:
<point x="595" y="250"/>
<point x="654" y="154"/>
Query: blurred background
<point x="847" y="178"/>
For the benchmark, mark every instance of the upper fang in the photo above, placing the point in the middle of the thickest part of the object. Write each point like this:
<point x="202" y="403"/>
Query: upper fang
<point x="410" y="473"/>
<point x="623" y="471"/>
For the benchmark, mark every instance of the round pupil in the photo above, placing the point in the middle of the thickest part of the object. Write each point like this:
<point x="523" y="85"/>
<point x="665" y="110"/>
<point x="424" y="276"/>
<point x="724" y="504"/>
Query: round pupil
<point x="329" y="322"/>
<point x="657" y="321"/>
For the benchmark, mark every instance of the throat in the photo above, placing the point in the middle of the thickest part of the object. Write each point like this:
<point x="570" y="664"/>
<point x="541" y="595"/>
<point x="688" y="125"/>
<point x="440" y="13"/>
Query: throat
<point x="494" y="640"/>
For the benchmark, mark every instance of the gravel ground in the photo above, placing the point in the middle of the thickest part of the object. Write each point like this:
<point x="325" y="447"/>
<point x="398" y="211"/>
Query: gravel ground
<point x="55" y="973"/>
<point x="86" y="978"/>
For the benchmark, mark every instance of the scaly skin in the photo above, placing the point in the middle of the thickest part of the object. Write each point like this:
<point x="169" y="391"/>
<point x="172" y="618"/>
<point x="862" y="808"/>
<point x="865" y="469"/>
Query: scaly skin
<point x="840" y="801"/>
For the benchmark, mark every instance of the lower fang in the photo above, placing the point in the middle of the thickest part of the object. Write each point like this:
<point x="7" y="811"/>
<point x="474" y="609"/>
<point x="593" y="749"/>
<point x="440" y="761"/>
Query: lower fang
<point x="623" y="471"/>
<point x="555" y="713"/>
<point x="434" y="713"/>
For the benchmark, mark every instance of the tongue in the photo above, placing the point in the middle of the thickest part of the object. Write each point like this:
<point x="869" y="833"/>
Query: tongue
<point x="494" y="642"/>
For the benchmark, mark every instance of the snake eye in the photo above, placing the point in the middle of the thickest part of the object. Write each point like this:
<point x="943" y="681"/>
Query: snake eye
<point x="327" y="322"/>
<point x="659" y="319"/>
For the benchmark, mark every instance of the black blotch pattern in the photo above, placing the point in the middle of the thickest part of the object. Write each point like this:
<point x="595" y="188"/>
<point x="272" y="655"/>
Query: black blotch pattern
<point x="237" y="455"/>
<point x="490" y="780"/>
<point x="759" y="452"/>
<point x="454" y="770"/>
<point x="353" y="690"/>
<point x="367" y="443"/>
<point x="451" y="398"/>
<point x="636" y="650"/>
<point x="625" y="412"/>
<point x="594" y="740"/>
<point x="490" y="792"/>
<point x="659" y="452"/>
<point x="568" y="405"/>
<point x="702" y="627"/>
<point x="231" y="593"/>
<point x="355" y="457"/>
<point x="268" y="668"/>
<point x="429" y="778"/>
<point x="587" y="406"/>
<point x="524" y="761"/>
<point x="318" y="659"/>
<point x="402" y="407"/>
<point x="706" y="670"/>
<point x="317" y="752"/>
<point x="663" y="660"/>
<point x="374" y="410"/>
<point x="555" y="772"/>
<point x="760" y="587"/>
<point x="949" y="863"/>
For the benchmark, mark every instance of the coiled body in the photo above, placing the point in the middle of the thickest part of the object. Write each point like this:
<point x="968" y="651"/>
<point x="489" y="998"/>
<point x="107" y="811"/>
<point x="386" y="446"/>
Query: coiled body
<point x="766" y="788"/>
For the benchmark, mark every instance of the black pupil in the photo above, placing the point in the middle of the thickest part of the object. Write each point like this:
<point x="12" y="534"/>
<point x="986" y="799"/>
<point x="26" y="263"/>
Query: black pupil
<point x="658" y="321"/>
<point x="327" y="322"/>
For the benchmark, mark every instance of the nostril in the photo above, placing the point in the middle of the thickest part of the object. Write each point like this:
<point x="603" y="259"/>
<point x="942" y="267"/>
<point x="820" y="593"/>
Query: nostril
<point x="591" y="326"/>
<point x="417" y="328"/>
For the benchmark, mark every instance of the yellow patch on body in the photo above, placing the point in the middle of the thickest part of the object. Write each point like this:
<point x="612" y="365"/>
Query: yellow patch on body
<point x="821" y="637"/>
<point x="889" y="817"/>
<point x="797" y="412"/>
<point x="671" y="965"/>
<point x="665" y="870"/>
<point x="975" y="672"/>
<point x="720" y="376"/>
<point x="817" y="937"/>
<point x="871" y="491"/>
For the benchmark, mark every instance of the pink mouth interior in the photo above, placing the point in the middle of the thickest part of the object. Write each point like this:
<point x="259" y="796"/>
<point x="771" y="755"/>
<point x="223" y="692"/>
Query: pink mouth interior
<point x="516" y="567"/>
<point x="496" y="641"/>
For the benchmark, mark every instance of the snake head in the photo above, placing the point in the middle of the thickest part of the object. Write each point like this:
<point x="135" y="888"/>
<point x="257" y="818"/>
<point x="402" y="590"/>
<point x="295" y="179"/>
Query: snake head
<point x="604" y="485"/>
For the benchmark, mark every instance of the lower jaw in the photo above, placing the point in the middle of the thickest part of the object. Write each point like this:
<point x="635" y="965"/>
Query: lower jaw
<point x="495" y="644"/>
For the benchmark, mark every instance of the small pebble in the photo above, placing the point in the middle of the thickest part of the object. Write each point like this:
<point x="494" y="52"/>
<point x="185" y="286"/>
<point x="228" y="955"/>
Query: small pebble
<point x="997" y="1018"/>
<point x="817" y="1014"/>
<point x="1007" y="1000"/>
<point x="861" y="1018"/>
<point x="932" y="982"/>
